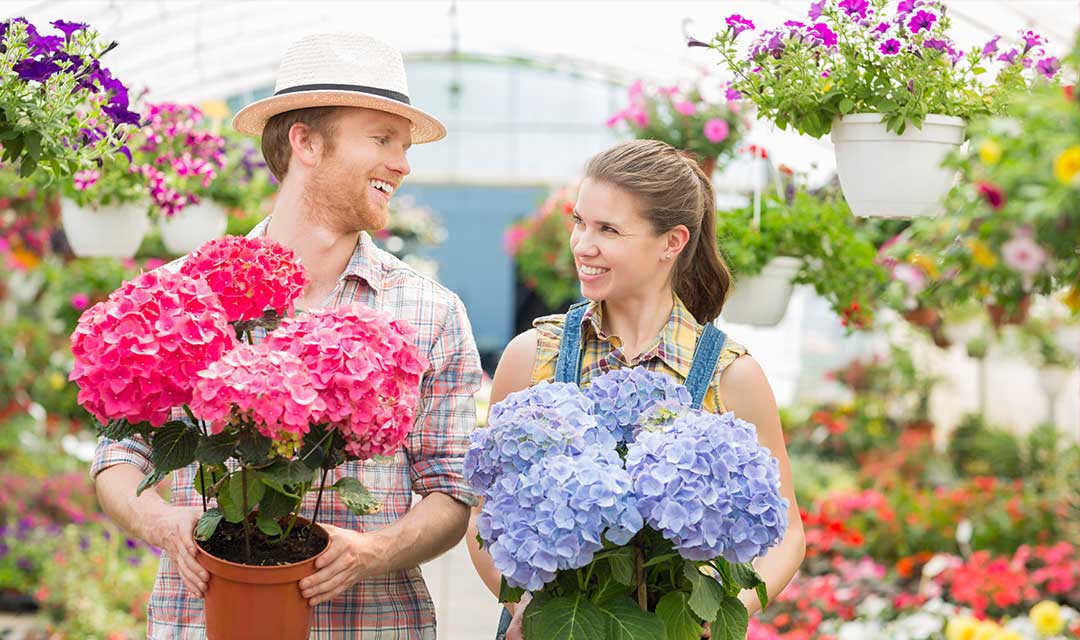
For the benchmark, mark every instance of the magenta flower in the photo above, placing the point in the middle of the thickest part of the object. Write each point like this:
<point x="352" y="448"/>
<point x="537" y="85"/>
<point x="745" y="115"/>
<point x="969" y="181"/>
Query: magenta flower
<point x="685" y="107"/>
<point x="636" y="90"/>
<point x="258" y="385"/>
<point x="69" y="28"/>
<point x="615" y="119"/>
<point x="738" y="24"/>
<point x="80" y="301"/>
<point x="992" y="193"/>
<point x="1009" y="57"/>
<point x="890" y="47"/>
<point x="856" y="8"/>
<point x="823" y="34"/>
<point x="936" y="43"/>
<point x="513" y="238"/>
<point x="138" y="352"/>
<point x="732" y="94"/>
<point x="637" y="115"/>
<point x="1031" y="40"/>
<point x="905" y="7"/>
<point x="991" y="47"/>
<point x="1023" y="254"/>
<point x="249" y="275"/>
<point x="366" y="369"/>
<point x="716" y="130"/>
<point x="921" y="20"/>
<point x="882" y="28"/>
<point x="85" y="179"/>
<point x="815" y="9"/>
<point x="1048" y="66"/>
<point x="914" y="279"/>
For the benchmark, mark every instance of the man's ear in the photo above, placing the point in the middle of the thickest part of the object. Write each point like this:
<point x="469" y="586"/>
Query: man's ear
<point x="307" y="145"/>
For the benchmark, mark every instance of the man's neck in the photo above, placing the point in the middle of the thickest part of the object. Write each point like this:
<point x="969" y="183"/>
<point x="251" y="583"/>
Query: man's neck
<point x="324" y="251"/>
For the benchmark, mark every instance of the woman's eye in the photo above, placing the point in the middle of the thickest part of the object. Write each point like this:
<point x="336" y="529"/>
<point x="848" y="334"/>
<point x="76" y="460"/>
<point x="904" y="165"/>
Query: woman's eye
<point x="382" y="140"/>
<point x="577" y="220"/>
<point x="607" y="229"/>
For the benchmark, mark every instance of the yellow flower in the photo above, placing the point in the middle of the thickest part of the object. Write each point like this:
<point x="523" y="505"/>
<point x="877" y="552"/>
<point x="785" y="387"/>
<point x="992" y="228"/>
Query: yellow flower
<point x="215" y="109"/>
<point x="828" y="85"/>
<point x="56" y="381"/>
<point x="1046" y="616"/>
<point x="1067" y="164"/>
<point x="982" y="290"/>
<point x="985" y="630"/>
<point x="981" y="254"/>
<point x="961" y="628"/>
<point x="990" y="152"/>
<point x="925" y="263"/>
<point x="1008" y="634"/>
<point x="1072" y="299"/>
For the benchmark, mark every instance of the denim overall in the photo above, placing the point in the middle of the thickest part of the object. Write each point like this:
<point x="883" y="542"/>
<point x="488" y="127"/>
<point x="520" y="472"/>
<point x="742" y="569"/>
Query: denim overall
<point x="568" y="369"/>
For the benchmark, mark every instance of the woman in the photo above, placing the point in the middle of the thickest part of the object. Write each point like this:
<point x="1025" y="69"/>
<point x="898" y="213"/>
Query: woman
<point x="645" y="249"/>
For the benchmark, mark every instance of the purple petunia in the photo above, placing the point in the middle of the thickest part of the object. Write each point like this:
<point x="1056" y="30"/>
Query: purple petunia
<point x="936" y="43"/>
<point x="991" y="47"/>
<point x="882" y="28"/>
<point x="1031" y="40"/>
<point x="36" y="70"/>
<point x="1048" y="66"/>
<point x="732" y="94"/>
<point x="856" y="8"/>
<point x="890" y="47"/>
<point x="42" y="45"/>
<point x="815" y="9"/>
<point x="823" y="34"/>
<point x="921" y="20"/>
<point x="905" y="7"/>
<point x="69" y="28"/>
<point x="1009" y="57"/>
<point x="739" y="24"/>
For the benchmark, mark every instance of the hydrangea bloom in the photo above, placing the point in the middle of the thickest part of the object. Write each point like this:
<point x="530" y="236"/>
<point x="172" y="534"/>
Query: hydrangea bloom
<point x="620" y="397"/>
<point x="259" y="385"/>
<point x="529" y="425"/>
<point x="365" y="367"/>
<point x="138" y="352"/>
<point x="555" y="515"/>
<point x="708" y="486"/>
<point x="249" y="275"/>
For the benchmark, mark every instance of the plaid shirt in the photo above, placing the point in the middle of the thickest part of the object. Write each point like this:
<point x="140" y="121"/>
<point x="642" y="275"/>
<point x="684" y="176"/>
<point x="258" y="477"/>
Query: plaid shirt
<point x="672" y="353"/>
<point x="394" y="606"/>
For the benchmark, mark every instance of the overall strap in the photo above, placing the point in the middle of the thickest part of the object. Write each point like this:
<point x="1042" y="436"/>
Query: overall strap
<point x="706" y="355"/>
<point x="568" y="366"/>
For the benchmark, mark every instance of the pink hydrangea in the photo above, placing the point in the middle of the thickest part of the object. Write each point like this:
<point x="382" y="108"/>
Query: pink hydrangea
<point x="138" y="352"/>
<point x="366" y="368"/>
<point x="248" y="274"/>
<point x="261" y="386"/>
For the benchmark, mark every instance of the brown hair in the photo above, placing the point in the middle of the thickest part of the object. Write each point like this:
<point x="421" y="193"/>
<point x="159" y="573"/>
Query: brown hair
<point x="275" y="136"/>
<point x="673" y="190"/>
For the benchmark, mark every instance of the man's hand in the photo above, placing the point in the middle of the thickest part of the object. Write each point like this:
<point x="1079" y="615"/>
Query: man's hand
<point x="173" y="529"/>
<point x="351" y="557"/>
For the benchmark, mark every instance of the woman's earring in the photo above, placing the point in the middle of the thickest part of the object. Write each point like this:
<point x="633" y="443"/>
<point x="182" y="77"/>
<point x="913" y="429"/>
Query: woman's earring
<point x="667" y="256"/>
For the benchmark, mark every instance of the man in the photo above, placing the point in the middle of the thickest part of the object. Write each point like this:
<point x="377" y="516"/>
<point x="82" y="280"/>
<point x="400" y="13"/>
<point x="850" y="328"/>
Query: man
<point x="335" y="134"/>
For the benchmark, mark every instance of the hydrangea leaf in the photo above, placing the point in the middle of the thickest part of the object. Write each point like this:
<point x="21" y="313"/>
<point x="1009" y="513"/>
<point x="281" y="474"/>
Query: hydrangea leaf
<point x="565" y="619"/>
<point x="731" y="621"/>
<point x="679" y="621"/>
<point x="208" y="523"/>
<point x="626" y="621"/>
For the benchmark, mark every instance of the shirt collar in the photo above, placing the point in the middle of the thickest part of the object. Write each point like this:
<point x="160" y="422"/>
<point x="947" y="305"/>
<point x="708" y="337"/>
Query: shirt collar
<point x="679" y="336"/>
<point x="364" y="263"/>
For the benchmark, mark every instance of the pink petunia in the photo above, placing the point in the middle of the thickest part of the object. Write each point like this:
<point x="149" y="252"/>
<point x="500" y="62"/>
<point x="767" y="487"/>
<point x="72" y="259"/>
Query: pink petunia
<point x="80" y="301"/>
<point x="685" y="107"/>
<point x="1023" y="254"/>
<point x="85" y="179"/>
<point x="716" y="130"/>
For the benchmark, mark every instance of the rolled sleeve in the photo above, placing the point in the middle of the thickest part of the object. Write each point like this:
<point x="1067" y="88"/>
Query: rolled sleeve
<point x="133" y="451"/>
<point x="447" y="411"/>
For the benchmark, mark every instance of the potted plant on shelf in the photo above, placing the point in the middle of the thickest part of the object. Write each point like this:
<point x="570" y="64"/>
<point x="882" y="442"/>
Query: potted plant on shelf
<point x="888" y="82"/>
<point x="806" y="239"/>
<point x="60" y="109"/>
<point x="412" y="230"/>
<point x="683" y="118"/>
<point x="540" y="247"/>
<point x="257" y="421"/>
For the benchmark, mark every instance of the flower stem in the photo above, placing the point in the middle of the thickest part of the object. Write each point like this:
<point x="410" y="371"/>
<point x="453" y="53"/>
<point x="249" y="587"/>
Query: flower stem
<point x="202" y="486"/>
<point x="318" y="499"/>
<point x="247" y="521"/>
<point x="642" y="596"/>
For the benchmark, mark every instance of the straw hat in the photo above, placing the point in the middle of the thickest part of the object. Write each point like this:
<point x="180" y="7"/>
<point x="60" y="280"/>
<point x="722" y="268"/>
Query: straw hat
<point x="340" y="70"/>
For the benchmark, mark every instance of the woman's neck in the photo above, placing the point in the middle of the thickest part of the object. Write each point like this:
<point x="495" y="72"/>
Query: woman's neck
<point x="638" y="320"/>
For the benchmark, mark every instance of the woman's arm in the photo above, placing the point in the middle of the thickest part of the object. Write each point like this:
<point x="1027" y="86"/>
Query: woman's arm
<point x="747" y="393"/>
<point x="514" y="373"/>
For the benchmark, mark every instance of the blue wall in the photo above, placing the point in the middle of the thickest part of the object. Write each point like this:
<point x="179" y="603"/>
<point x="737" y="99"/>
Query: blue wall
<point x="472" y="261"/>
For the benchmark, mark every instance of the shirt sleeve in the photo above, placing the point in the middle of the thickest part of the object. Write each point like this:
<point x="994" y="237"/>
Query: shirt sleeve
<point x="447" y="411"/>
<point x="110" y="452"/>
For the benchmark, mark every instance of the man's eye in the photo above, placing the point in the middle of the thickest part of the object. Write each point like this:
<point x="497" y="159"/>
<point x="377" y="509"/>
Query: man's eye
<point x="607" y="229"/>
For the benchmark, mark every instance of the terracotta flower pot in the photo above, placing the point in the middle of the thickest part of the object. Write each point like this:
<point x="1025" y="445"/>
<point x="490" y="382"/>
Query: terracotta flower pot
<point x="1000" y="316"/>
<point x="247" y="602"/>
<point x="923" y="317"/>
<point x="708" y="165"/>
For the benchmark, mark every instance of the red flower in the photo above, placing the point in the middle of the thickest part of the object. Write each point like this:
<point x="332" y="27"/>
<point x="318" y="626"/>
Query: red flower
<point x="993" y="194"/>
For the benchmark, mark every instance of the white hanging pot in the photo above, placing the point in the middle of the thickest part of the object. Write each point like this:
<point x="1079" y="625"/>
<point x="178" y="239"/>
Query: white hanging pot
<point x="884" y="175"/>
<point x="110" y="231"/>
<point x="1052" y="379"/>
<point x="196" y="224"/>
<point x="761" y="300"/>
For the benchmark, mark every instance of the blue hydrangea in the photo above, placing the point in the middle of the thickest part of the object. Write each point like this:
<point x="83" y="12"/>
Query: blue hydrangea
<point x="621" y="396"/>
<point x="556" y="514"/>
<point x="544" y="420"/>
<point x="706" y="484"/>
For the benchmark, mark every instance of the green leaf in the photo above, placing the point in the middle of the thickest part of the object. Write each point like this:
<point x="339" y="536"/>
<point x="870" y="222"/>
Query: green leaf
<point x="208" y="523"/>
<point x="283" y="476"/>
<point x="356" y="497"/>
<point x="564" y="619"/>
<point x="626" y="621"/>
<point x="707" y="594"/>
<point x="622" y="566"/>
<point x="268" y="525"/>
<point x="33" y="147"/>
<point x="255" y="491"/>
<point x="762" y="595"/>
<point x="233" y="511"/>
<point x="508" y="593"/>
<point x="27" y="168"/>
<point x="679" y="621"/>
<point x="216" y="449"/>
<point x="744" y="575"/>
<point x="276" y="505"/>
<point x="658" y="559"/>
<point x="173" y="446"/>
<point x="116" y="429"/>
<point x="151" y="479"/>
<point x="253" y="447"/>
<point x="608" y="589"/>
<point x="731" y="621"/>
<point x="311" y="452"/>
<point x="846" y="105"/>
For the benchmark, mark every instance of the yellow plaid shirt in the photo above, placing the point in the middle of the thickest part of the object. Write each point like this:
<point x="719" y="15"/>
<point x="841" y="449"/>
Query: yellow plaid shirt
<point x="672" y="353"/>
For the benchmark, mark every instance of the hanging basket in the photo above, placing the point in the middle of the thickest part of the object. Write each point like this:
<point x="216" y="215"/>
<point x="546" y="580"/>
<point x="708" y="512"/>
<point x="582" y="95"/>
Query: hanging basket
<point x="761" y="300"/>
<point x="112" y="231"/>
<point x="884" y="175"/>
<point x="196" y="224"/>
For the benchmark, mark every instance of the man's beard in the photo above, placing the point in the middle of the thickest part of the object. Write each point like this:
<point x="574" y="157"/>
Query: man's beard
<point x="339" y="200"/>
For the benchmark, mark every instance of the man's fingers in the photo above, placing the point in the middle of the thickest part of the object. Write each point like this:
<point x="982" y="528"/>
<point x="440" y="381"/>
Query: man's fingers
<point x="323" y="579"/>
<point x="329" y="589"/>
